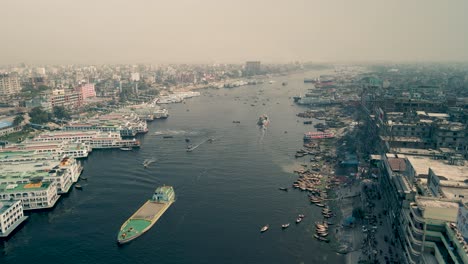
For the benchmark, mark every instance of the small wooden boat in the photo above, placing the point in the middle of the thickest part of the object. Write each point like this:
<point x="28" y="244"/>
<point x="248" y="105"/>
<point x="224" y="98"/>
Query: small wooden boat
<point x="168" y="136"/>
<point x="264" y="229"/>
<point x="298" y="220"/>
<point x="126" y="149"/>
<point x="283" y="189"/>
<point x="78" y="186"/>
<point x="284" y="226"/>
<point x="321" y="238"/>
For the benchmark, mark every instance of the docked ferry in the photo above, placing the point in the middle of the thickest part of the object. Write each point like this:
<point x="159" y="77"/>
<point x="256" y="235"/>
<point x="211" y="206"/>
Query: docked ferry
<point x="148" y="214"/>
<point x="318" y="135"/>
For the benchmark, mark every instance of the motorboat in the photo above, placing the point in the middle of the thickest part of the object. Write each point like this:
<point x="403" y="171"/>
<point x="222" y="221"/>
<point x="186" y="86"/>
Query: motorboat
<point x="284" y="226"/>
<point x="298" y="220"/>
<point x="78" y="186"/>
<point x="264" y="229"/>
<point x="283" y="189"/>
<point x="126" y="149"/>
<point x="301" y="216"/>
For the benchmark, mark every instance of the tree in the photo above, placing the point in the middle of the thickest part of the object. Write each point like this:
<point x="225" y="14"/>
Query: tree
<point x="39" y="116"/>
<point x="18" y="120"/>
<point x="61" y="113"/>
<point x="358" y="213"/>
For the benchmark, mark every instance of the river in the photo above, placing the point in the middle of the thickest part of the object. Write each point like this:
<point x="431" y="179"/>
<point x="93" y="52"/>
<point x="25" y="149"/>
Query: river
<point x="226" y="190"/>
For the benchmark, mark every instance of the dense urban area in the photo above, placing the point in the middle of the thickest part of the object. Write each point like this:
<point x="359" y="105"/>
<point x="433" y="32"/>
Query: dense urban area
<point x="385" y="158"/>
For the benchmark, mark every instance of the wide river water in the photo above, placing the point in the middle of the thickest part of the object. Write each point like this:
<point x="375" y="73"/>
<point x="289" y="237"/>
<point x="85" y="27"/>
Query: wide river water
<point x="226" y="190"/>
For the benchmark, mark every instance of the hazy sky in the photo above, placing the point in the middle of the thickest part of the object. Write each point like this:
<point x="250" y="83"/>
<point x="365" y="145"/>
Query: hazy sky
<point x="205" y="31"/>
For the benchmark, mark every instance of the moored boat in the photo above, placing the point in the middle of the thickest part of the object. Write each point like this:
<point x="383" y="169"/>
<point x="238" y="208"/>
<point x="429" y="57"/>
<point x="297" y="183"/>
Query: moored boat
<point x="283" y="189"/>
<point x="78" y="186"/>
<point x="321" y="238"/>
<point x="126" y="149"/>
<point x="147" y="215"/>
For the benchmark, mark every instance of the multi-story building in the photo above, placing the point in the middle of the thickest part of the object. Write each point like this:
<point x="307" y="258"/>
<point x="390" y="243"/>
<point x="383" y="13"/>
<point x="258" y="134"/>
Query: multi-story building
<point x="94" y="139"/>
<point x="63" y="172"/>
<point x="58" y="149"/>
<point x="252" y="68"/>
<point x="66" y="98"/>
<point x="86" y="90"/>
<point x="11" y="216"/>
<point x="450" y="135"/>
<point x="34" y="195"/>
<point x="423" y="197"/>
<point x="9" y="84"/>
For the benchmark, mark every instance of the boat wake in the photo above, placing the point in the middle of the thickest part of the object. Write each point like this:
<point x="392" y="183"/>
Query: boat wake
<point x="148" y="162"/>
<point x="262" y="134"/>
<point x="176" y="133"/>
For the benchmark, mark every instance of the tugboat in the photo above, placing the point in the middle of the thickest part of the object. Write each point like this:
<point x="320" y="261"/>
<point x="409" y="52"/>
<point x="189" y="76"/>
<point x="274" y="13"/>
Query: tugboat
<point x="148" y="214"/>
<point x="264" y="229"/>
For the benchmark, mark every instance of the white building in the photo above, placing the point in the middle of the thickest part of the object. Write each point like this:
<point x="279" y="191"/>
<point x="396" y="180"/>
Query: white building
<point x="135" y="77"/>
<point x="11" y="216"/>
<point x="9" y="84"/>
<point x="34" y="195"/>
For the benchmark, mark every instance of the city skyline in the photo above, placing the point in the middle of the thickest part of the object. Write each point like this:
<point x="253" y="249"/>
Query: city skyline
<point x="69" y="32"/>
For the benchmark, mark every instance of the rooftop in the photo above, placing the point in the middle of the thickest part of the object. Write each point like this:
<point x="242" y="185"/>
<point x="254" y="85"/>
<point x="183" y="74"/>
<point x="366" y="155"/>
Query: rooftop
<point x="24" y="187"/>
<point x="4" y="205"/>
<point x="436" y="203"/>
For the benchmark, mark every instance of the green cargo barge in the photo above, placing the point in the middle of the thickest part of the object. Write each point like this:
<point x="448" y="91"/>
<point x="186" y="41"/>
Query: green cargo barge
<point x="148" y="214"/>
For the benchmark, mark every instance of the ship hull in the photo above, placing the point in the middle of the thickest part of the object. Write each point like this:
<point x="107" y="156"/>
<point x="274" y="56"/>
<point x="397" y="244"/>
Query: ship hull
<point x="137" y="216"/>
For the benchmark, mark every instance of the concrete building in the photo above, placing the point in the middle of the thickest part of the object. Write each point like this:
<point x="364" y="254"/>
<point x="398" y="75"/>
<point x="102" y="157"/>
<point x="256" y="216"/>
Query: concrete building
<point x="66" y="98"/>
<point x="7" y="127"/>
<point x="11" y="216"/>
<point x="252" y="68"/>
<point x="63" y="172"/>
<point x="9" y="84"/>
<point x="34" y="195"/>
<point x="135" y="77"/>
<point x="424" y="195"/>
<point x="86" y="90"/>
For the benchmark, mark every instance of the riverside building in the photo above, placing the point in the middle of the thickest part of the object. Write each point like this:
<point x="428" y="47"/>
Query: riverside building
<point x="11" y="216"/>
<point x="425" y="200"/>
